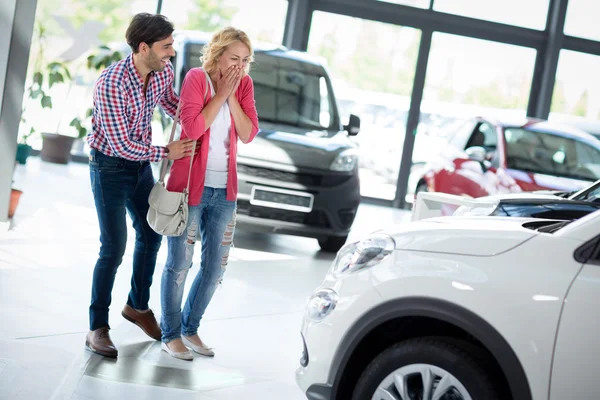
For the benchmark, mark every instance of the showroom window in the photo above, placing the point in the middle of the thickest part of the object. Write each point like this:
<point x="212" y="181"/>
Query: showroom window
<point x="577" y="87"/>
<point x="250" y="16"/>
<point x="527" y="14"/>
<point x="467" y="78"/>
<point x="372" y="78"/>
<point x="64" y="35"/>
<point x="582" y="19"/>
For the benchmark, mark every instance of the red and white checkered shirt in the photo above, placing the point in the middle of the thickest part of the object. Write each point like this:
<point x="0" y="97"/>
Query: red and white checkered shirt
<point x="121" y="118"/>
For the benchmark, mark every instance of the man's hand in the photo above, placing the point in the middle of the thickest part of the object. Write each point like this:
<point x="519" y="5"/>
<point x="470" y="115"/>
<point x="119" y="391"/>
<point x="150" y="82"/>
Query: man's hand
<point x="180" y="148"/>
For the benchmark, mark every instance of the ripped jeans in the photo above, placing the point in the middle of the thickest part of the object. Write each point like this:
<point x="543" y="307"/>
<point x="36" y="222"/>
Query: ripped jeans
<point x="215" y="218"/>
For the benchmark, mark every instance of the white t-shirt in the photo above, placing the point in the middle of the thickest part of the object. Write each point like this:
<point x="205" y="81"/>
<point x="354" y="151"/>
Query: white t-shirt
<point x="218" y="151"/>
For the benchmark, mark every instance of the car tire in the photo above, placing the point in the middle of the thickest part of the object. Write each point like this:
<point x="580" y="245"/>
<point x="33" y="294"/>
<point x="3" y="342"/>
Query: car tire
<point x="333" y="243"/>
<point x="425" y="356"/>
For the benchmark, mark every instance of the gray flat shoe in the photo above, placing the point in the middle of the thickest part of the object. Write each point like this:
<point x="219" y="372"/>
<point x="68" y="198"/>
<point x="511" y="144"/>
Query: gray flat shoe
<point x="182" y="355"/>
<point x="202" y="350"/>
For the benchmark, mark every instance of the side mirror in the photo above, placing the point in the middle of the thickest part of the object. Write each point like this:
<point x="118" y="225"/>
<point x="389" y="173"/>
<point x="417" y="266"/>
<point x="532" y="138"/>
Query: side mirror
<point x="476" y="153"/>
<point x="353" y="126"/>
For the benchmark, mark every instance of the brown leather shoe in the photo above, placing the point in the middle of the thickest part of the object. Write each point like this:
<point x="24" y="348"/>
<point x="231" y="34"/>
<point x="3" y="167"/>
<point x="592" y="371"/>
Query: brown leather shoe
<point x="146" y="321"/>
<point x="99" y="342"/>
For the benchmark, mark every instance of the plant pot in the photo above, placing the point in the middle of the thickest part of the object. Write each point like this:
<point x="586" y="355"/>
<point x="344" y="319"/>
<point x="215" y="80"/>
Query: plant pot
<point x="15" y="195"/>
<point x="56" y="148"/>
<point x="78" y="146"/>
<point x="23" y="151"/>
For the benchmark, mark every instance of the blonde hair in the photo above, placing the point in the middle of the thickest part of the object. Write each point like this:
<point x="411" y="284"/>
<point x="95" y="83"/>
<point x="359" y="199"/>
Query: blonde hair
<point x="214" y="49"/>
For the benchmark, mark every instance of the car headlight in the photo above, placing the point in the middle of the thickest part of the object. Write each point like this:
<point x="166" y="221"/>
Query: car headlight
<point x="363" y="254"/>
<point x="345" y="161"/>
<point x="321" y="303"/>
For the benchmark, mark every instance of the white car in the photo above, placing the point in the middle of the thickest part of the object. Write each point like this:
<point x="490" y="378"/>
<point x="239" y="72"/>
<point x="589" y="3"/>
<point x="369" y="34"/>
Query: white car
<point x="476" y="308"/>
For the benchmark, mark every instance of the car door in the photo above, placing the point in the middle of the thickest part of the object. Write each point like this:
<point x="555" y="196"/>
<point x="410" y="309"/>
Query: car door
<point x="577" y="350"/>
<point x="466" y="175"/>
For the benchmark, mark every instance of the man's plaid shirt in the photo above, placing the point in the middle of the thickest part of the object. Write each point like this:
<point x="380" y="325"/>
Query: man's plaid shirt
<point x="122" y="116"/>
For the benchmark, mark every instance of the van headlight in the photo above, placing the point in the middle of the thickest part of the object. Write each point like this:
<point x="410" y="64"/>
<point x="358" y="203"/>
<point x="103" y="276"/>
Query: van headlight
<point x="345" y="161"/>
<point x="363" y="254"/>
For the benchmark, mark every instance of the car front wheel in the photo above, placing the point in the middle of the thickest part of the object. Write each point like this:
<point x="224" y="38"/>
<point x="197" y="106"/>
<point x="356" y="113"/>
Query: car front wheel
<point x="332" y="243"/>
<point x="425" y="368"/>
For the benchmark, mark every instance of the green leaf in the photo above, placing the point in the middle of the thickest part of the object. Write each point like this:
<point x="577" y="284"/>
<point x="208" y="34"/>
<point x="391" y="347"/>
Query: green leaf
<point x="54" y="77"/>
<point x="75" y="122"/>
<point x="38" y="78"/>
<point x="89" y="112"/>
<point x="46" y="102"/>
<point x="34" y="94"/>
<point x="67" y="73"/>
<point x="53" y="66"/>
<point x="116" y="56"/>
<point x="82" y="132"/>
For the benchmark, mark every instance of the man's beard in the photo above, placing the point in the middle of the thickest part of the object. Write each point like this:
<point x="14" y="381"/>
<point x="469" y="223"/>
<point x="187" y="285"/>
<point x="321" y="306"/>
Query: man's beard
<point x="155" y="63"/>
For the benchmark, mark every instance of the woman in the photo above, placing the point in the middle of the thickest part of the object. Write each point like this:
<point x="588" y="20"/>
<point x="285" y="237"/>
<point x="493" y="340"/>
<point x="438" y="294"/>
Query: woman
<point x="217" y="109"/>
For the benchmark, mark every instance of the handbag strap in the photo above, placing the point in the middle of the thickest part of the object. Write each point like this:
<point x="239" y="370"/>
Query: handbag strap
<point x="163" y="169"/>
<point x="163" y="172"/>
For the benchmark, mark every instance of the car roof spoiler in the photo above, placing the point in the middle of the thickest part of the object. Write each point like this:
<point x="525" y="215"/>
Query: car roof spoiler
<point x="432" y="204"/>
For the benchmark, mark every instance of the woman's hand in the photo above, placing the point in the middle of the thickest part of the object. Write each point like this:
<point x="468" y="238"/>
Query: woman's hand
<point x="237" y="82"/>
<point x="228" y="82"/>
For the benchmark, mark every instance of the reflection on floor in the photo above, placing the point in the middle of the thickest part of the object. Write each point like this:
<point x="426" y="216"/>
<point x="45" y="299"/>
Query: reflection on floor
<point x="46" y="263"/>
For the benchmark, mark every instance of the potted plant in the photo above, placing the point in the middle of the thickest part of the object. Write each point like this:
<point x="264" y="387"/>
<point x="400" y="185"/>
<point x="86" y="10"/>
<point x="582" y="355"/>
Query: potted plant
<point x="15" y="195"/>
<point x="55" y="147"/>
<point x="23" y="148"/>
<point x="80" y="128"/>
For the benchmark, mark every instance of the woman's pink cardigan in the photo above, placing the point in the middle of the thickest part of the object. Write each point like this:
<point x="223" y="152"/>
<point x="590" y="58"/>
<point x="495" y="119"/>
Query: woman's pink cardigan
<point x="193" y="100"/>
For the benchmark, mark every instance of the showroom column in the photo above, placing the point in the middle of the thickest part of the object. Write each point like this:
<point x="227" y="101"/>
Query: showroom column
<point x="297" y="24"/>
<point x="546" y="63"/>
<point x="414" y="113"/>
<point x="16" y="29"/>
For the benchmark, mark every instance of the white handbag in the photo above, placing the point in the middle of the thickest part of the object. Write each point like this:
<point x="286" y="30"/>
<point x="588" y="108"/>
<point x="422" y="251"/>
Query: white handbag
<point x="168" y="212"/>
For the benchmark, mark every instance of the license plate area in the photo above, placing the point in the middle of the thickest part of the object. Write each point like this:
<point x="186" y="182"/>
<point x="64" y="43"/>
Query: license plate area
<point x="281" y="198"/>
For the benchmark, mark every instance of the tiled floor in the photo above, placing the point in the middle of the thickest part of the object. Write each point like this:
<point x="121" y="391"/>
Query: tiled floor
<point x="46" y="262"/>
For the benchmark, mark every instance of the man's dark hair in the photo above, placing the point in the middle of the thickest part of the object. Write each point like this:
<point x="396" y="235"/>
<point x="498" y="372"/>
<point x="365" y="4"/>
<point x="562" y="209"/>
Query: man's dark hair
<point x="147" y="28"/>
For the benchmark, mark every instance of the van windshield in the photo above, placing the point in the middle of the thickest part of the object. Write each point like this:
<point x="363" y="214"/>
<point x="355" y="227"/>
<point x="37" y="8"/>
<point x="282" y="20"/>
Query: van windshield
<point x="287" y="91"/>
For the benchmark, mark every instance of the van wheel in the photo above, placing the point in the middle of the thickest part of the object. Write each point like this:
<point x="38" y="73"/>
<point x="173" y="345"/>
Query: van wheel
<point x="332" y="243"/>
<point x="425" y="368"/>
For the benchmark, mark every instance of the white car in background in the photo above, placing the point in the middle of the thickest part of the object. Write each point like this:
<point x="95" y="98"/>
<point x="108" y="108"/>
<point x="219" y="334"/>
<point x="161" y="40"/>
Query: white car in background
<point x="472" y="308"/>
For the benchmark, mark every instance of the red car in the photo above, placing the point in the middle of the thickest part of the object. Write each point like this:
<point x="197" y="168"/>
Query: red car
<point x="486" y="157"/>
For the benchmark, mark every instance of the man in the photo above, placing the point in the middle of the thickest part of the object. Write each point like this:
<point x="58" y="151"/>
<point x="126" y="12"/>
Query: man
<point x="125" y="96"/>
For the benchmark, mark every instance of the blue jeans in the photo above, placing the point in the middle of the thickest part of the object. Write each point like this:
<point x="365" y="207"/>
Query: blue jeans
<point x="120" y="185"/>
<point x="215" y="218"/>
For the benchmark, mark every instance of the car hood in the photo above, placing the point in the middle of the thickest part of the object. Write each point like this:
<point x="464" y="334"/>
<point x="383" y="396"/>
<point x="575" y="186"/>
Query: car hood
<point x="299" y="148"/>
<point x="475" y="236"/>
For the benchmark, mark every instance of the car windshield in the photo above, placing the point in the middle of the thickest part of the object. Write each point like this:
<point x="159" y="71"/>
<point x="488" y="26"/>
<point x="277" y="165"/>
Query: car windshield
<point x="287" y="91"/>
<point x="591" y="193"/>
<point x="545" y="153"/>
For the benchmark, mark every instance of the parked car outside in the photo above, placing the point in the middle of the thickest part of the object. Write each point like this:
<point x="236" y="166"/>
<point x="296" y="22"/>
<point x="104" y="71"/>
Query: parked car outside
<point x="487" y="157"/>
<point x="467" y="308"/>
<point x="300" y="174"/>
